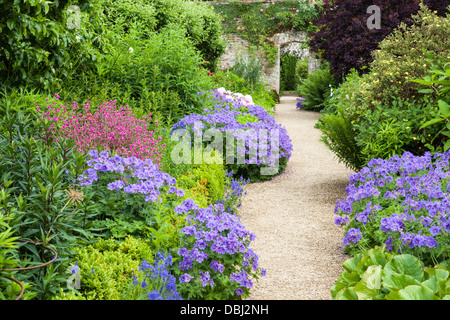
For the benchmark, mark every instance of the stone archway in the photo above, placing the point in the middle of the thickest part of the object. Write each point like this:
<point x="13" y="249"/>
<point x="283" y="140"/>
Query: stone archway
<point x="237" y="46"/>
<point x="280" y="40"/>
<point x="297" y="50"/>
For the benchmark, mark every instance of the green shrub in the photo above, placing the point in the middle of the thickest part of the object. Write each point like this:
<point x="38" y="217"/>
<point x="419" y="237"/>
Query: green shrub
<point x="379" y="275"/>
<point x="407" y="53"/>
<point x="40" y="49"/>
<point x="337" y="125"/>
<point x="439" y="81"/>
<point x="106" y="268"/>
<point x="389" y="130"/>
<point x="386" y="108"/>
<point x="249" y="70"/>
<point x="142" y="17"/>
<point x="340" y="137"/>
<point x="288" y="76"/>
<point x="301" y="71"/>
<point x="316" y="89"/>
<point x="165" y="61"/>
<point x="126" y="16"/>
<point x="205" y="184"/>
<point x="201" y="22"/>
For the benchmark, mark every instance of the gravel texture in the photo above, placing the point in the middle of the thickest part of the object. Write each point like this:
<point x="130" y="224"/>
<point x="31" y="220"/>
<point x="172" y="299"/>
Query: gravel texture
<point x="292" y="215"/>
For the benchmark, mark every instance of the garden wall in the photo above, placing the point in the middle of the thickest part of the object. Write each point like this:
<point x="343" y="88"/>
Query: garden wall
<point x="238" y="47"/>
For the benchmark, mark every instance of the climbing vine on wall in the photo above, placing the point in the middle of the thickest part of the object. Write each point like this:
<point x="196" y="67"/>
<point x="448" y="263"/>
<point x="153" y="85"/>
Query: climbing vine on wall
<point x="256" y="22"/>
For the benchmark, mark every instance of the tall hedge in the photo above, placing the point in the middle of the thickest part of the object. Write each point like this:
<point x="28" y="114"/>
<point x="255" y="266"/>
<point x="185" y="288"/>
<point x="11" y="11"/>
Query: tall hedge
<point x="39" y="46"/>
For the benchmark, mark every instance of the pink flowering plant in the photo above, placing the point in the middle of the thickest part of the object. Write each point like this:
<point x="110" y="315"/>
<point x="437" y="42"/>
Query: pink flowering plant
<point x="107" y="127"/>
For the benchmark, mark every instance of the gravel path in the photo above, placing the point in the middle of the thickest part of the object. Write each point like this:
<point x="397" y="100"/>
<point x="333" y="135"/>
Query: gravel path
<point x="292" y="215"/>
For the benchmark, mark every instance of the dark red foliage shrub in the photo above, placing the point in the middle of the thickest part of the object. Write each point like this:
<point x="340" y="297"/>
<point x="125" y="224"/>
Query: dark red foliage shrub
<point x="344" y="38"/>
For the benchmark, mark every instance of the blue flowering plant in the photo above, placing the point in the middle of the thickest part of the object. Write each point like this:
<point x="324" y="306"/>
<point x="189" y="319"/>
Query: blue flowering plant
<point x="130" y="192"/>
<point x="251" y="138"/>
<point x="299" y="104"/>
<point x="403" y="203"/>
<point x="154" y="281"/>
<point x="215" y="261"/>
<point x="235" y="189"/>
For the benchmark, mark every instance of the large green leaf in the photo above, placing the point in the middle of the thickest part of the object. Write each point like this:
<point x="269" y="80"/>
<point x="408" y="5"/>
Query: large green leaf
<point x="438" y="272"/>
<point x="413" y="292"/>
<point x="379" y="258"/>
<point x="345" y="280"/>
<point x="370" y="285"/>
<point x="346" y="294"/>
<point x="432" y="121"/>
<point x="444" y="108"/>
<point x="396" y="281"/>
<point x="432" y="284"/>
<point x="447" y="145"/>
<point x="352" y="263"/>
<point x="404" y="264"/>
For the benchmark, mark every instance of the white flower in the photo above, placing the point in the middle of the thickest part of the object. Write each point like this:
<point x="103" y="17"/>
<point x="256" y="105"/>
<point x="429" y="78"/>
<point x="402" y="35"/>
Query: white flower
<point x="221" y="90"/>
<point x="131" y="50"/>
<point x="248" y="99"/>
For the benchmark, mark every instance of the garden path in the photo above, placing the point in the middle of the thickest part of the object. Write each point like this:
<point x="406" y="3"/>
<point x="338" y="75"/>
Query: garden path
<point x="292" y="215"/>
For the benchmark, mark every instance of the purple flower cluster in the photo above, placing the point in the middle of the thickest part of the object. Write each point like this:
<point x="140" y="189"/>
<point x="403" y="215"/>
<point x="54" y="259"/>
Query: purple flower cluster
<point x="223" y="117"/>
<point x="158" y="277"/>
<point x="353" y="236"/>
<point x="406" y="197"/>
<point x="138" y="176"/>
<point x="212" y="236"/>
<point x="299" y="104"/>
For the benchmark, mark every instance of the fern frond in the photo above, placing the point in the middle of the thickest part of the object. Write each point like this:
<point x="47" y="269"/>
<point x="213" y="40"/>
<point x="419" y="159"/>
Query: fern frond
<point x="339" y="136"/>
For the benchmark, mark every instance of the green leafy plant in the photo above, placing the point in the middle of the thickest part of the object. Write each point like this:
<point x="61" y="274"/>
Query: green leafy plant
<point x="440" y="86"/>
<point x="212" y="176"/>
<point x="38" y="174"/>
<point x="339" y="136"/>
<point x="301" y="70"/>
<point x="166" y="61"/>
<point x="249" y="70"/>
<point x="379" y="275"/>
<point x="288" y="81"/>
<point x="9" y="246"/>
<point x="317" y="89"/>
<point x="421" y="47"/>
<point x="106" y="268"/>
<point x="390" y="130"/>
<point x="40" y="49"/>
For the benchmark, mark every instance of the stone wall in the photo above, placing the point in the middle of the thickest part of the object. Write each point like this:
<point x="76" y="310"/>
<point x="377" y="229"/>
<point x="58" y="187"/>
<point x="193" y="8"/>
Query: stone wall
<point x="239" y="48"/>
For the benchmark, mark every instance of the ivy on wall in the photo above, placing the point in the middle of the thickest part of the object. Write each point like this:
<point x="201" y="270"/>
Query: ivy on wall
<point x="257" y="22"/>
